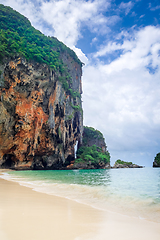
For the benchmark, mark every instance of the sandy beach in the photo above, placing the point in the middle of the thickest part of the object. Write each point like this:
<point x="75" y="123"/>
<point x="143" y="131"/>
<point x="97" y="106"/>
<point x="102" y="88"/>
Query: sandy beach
<point x="29" y="215"/>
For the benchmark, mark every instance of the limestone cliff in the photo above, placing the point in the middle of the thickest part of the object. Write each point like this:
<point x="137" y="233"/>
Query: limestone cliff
<point x="39" y="120"/>
<point x="40" y="101"/>
<point x="40" y="97"/>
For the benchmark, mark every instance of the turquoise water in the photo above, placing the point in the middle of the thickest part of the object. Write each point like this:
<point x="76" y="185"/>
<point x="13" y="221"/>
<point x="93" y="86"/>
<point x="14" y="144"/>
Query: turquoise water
<point x="134" y="192"/>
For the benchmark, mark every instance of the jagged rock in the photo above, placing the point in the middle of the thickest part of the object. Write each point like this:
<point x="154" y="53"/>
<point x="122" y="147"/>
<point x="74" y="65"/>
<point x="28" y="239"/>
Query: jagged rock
<point x="156" y="162"/>
<point x="39" y="124"/>
<point x="85" y="165"/>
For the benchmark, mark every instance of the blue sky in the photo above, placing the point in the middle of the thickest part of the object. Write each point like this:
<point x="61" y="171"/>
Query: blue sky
<point x="119" y="42"/>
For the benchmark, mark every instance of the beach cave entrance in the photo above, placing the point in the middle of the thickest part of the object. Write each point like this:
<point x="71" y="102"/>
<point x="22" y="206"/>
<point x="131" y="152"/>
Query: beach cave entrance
<point x="8" y="160"/>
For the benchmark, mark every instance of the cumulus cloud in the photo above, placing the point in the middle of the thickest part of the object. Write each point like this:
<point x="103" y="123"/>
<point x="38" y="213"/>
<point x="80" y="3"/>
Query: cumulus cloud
<point x="64" y="18"/>
<point x="142" y="51"/>
<point x="126" y="6"/>
<point x="125" y="107"/>
<point x="67" y="17"/>
<point x="122" y="98"/>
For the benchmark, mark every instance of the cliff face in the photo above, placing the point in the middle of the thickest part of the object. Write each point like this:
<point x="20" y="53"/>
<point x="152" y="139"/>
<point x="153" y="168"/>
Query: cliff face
<point x="93" y="137"/>
<point x="40" y="122"/>
<point x="40" y="101"/>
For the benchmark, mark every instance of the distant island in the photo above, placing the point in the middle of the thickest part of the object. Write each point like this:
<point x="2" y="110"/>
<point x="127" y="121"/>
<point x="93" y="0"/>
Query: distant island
<point x="122" y="164"/>
<point x="156" y="162"/>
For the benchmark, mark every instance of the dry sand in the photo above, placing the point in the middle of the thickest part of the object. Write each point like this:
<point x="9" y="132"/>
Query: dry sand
<point x="29" y="215"/>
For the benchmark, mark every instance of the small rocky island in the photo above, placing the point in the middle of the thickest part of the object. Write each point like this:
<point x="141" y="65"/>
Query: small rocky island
<point x="122" y="164"/>
<point x="156" y="162"/>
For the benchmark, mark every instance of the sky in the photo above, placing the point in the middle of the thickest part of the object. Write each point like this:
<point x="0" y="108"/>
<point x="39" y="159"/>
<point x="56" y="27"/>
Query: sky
<point x="119" y="42"/>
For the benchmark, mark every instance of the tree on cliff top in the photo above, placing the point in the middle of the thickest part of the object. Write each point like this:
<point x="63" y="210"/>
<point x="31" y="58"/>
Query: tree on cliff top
<point x="93" y="155"/>
<point x="123" y="162"/>
<point x="89" y="133"/>
<point x="18" y="37"/>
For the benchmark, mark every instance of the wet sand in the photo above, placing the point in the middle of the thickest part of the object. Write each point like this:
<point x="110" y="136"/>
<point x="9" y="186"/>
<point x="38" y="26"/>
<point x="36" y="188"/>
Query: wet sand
<point x="29" y="215"/>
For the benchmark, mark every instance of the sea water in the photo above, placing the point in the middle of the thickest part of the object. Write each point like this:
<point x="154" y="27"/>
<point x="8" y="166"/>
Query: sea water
<point x="134" y="192"/>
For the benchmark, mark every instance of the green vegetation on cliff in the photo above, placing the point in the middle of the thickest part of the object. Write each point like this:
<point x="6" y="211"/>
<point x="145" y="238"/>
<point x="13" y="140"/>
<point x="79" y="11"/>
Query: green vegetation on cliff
<point x="91" y="133"/>
<point x="17" y="36"/>
<point x="93" y="154"/>
<point x="157" y="160"/>
<point x="123" y="162"/>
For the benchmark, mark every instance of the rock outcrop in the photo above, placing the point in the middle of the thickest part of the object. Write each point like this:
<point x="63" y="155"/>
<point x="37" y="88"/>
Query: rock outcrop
<point x="93" y="137"/>
<point x="127" y="166"/>
<point x="89" y="165"/>
<point x="92" y="153"/>
<point x="122" y="164"/>
<point x="156" y="162"/>
<point x="40" y="122"/>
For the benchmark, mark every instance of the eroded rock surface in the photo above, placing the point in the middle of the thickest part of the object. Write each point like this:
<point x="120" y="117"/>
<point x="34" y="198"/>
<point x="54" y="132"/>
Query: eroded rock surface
<point x="40" y="122"/>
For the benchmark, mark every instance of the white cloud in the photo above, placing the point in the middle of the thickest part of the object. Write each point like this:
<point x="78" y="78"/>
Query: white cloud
<point x="94" y="40"/>
<point x="126" y="6"/>
<point x="124" y="106"/>
<point x="64" y="19"/>
<point x="67" y="17"/>
<point x="154" y="8"/>
<point x="80" y="55"/>
<point x="101" y="24"/>
<point x="142" y="16"/>
<point x="24" y="7"/>
<point x="122" y="98"/>
<point x="139" y="52"/>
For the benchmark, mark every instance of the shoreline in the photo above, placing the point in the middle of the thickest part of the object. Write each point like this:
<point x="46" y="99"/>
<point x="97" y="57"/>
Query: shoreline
<point x="27" y="214"/>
